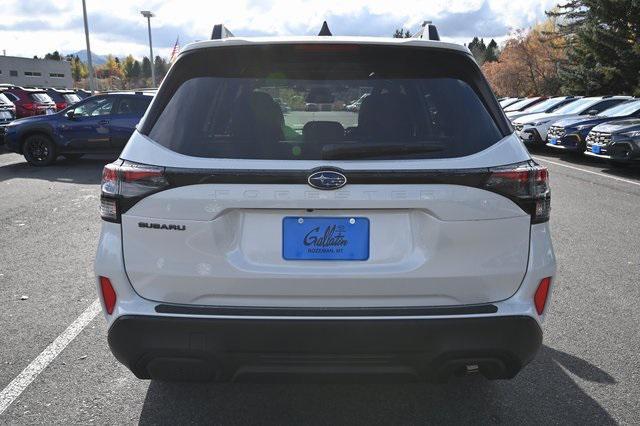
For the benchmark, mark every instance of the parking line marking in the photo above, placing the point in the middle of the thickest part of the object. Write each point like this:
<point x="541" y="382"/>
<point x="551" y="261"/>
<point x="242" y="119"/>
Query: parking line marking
<point x="31" y="371"/>
<point x="588" y="171"/>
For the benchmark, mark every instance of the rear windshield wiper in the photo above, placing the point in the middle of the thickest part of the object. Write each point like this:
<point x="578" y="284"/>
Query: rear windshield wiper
<point x="371" y="150"/>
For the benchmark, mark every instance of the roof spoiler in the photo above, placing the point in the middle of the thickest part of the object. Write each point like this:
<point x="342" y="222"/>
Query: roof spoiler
<point x="220" y="31"/>
<point x="428" y="31"/>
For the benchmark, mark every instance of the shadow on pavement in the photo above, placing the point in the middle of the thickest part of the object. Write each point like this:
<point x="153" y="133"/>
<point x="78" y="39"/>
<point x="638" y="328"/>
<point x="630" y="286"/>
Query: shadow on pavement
<point x="542" y="393"/>
<point x="86" y="170"/>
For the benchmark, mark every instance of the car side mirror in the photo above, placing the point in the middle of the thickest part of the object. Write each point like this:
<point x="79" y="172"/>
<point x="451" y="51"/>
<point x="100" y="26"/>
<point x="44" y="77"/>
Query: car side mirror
<point x="71" y="114"/>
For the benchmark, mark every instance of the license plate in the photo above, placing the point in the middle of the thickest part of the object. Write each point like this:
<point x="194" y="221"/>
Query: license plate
<point x="553" y="141"/>
<point x="595" y="149"/>
<point x="5" y="115"/>
<point x="325" y="238"/>
<point x="49" y="111"/>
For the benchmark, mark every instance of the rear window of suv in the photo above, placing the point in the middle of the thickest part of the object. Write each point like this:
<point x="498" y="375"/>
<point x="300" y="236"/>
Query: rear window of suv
<point x="323" y="101"/>
<point x="40" y="97"/>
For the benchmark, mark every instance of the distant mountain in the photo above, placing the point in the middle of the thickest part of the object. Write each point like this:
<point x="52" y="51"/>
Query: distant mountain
<point x="97" y="59"/>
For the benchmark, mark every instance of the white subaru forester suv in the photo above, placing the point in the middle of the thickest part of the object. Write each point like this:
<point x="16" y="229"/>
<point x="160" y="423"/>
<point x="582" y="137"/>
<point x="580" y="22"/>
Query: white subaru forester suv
<point x="409" y="238"/>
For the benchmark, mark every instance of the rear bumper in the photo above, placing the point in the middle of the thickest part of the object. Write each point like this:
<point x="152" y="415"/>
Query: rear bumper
<point x="229" y="349"/>
<point x="621" y="151"/>
<point x="570" y="142"/>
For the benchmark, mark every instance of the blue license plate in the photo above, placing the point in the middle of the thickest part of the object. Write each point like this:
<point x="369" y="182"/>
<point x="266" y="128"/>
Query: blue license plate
<point x="595" y="149"/>
<point x="553" y="141"/>
<point x="325" y="238"/>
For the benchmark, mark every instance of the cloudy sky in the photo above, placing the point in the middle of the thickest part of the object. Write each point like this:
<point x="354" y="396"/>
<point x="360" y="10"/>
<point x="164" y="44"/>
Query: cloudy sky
<point x="35" y="27"/>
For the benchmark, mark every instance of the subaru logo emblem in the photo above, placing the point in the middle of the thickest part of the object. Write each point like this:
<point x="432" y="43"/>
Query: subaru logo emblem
<point x="327" y="179"/>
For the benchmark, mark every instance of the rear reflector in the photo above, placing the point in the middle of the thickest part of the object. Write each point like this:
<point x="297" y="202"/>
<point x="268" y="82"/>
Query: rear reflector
<point x="108" y="294"/>
<point x="540" y="298"/>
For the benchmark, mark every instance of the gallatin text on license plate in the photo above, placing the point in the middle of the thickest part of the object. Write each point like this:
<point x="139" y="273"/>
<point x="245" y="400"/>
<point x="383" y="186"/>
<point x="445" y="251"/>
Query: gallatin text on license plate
<point x="325" y="238"/>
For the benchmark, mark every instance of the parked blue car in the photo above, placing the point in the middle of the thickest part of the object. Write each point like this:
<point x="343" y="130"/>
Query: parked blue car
<point x="98" y="124"/>
<point x="571" y="134"/>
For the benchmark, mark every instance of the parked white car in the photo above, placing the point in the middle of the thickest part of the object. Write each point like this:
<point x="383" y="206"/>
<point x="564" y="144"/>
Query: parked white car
<point x="532" y="129"/>
<point x="405" y="243"/>
<point x="549" y="105"/>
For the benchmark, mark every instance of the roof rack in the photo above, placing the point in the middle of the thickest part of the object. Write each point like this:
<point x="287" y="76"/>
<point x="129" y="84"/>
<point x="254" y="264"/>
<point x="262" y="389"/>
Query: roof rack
<point x="428" y="31"/>
<point x="220" y="31"/>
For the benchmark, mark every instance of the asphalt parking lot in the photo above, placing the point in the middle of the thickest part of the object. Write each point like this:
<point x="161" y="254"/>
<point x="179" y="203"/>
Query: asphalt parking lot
<point x="587" y="372"/>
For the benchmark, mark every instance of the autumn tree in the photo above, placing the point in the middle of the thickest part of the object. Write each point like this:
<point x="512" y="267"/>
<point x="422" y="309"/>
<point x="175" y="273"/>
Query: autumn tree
<point x="127" y="66"/>
<point x="111" y="69"/>
<point x="79" y="69"/>
<point x="529" y="63"/>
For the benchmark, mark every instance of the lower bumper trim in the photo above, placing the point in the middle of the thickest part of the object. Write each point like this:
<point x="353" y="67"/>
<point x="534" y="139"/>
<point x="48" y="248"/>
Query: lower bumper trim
<point x="206" y="349"/>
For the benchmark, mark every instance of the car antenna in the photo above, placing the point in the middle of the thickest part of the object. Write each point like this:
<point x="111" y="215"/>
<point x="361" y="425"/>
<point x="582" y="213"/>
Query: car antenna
<point x="324" y="31"/>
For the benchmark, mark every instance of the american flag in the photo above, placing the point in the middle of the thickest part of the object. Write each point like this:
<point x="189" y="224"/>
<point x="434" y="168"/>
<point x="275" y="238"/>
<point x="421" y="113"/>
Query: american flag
<point x="175" y="51"/>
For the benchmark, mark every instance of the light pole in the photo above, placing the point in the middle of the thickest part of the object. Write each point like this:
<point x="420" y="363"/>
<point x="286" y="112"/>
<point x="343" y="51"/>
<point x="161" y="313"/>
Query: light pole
<point x="86" y="34"/>
<point x="148" y="14"/>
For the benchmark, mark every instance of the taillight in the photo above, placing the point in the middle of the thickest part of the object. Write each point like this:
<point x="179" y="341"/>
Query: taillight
<point x="29" y="106"/>
<point x="108" y="294"/>
<point x="125" y="183"/>
<point x="526" y="184"/>
<point x="542" y="293"/>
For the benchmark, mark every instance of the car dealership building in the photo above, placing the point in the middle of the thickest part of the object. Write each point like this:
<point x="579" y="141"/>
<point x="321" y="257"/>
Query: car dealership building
<point x="30" y="72"/>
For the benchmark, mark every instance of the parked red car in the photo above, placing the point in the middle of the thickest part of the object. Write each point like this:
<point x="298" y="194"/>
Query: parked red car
<point x="30" y="102"/>
<point x="63" y="97"/>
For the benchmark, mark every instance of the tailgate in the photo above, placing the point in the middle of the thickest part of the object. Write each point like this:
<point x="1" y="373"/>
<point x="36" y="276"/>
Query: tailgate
<point x="223" y="245"/>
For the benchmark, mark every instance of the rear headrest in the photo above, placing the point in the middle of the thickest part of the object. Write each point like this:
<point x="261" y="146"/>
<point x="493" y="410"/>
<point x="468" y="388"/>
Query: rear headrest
<point x="257" y="115"/>
<point x="323" y="131"/>
<point x="385" y="116"/>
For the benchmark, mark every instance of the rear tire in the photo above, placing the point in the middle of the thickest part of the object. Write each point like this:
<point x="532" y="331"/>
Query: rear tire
<point x="72" y="156"/>
<point x="39" y="150"/>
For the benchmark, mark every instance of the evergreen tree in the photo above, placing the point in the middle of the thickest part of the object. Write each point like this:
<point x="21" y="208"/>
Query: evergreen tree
<point x="492" y="52"/>
<point x="146" y="67"/>
<point x="478" y="50"/>
<point x="136" y="70"/>
<point x="601" y="43"/>
<point x="55" y="56"/>
<point x="161" y="67"/>
<point x="401" y="33"/>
